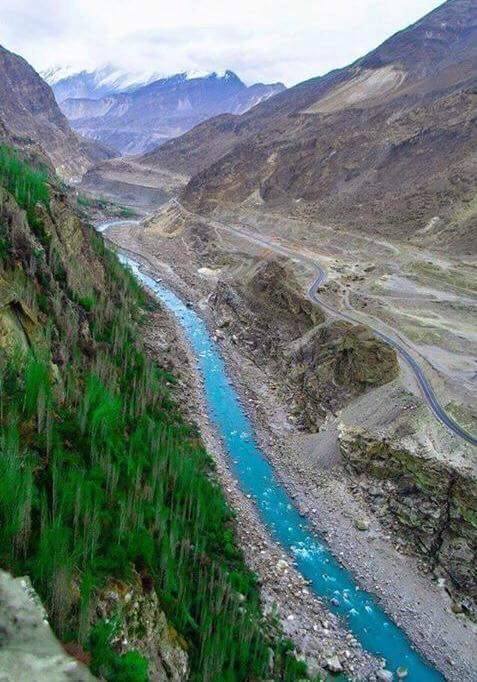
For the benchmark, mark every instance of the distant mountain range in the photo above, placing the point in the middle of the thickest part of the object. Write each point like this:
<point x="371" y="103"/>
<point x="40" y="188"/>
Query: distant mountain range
<point x="133" y="113"/>
<point x="67" y="82"/>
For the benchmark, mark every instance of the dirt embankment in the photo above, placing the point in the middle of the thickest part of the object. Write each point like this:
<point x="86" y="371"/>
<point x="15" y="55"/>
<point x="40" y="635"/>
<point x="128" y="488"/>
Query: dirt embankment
<point x="319" y="363"/>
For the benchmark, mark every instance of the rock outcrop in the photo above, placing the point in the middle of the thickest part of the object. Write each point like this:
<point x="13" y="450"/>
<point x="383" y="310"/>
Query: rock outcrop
<point x="144" y="628"/>
<point x="322" y="363"/>
<point x="28" y="647"/>
<point x="411" y="484"/>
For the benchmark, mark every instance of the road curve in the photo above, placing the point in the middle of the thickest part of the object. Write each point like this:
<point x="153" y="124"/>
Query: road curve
<point x="426" y="389"/>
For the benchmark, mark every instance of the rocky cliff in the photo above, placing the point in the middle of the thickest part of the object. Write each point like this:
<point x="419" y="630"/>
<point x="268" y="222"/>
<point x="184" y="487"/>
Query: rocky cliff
<point x="322" y="363"/>
<point x="29" y="649"/>
<point x="413" y="484"/>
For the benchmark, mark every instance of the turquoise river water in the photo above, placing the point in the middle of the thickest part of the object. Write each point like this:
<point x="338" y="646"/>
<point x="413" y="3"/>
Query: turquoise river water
<point x="377" y="633"/>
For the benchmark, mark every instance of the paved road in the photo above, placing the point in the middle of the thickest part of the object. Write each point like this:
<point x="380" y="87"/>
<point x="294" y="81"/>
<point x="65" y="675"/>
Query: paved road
<point x="320" y="278"/>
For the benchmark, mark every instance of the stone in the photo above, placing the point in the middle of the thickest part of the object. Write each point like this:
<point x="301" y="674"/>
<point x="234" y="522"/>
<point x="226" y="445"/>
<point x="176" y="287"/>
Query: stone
<point x="401" y="672"/>
<point x="362" y="524"/>
<point x="333" y="664"/>
<point x="29" y="649"/>
<point x="384" y="675"/>
<point x="144" y="628"/>
<point x="456" y="607"/>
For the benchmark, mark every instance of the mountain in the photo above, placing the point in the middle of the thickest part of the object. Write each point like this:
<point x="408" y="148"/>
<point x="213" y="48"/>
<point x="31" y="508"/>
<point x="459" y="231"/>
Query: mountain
<point x="383" y="145"/>
<point x="67" y="83"/>
<point x="31" y="118"/>
<point x="111" y="109"/>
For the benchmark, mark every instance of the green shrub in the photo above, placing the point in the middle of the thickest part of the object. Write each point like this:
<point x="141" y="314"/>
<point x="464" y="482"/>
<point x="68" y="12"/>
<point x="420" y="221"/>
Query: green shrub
<point x="107" y="663"/>
<point x="27" y="185"/>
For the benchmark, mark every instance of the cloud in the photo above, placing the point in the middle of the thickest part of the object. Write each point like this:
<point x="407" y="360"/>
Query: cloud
<point x="259" y="39"/>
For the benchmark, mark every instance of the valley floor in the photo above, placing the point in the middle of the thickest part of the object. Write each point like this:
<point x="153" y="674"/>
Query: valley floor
<point x="309" y="466"/>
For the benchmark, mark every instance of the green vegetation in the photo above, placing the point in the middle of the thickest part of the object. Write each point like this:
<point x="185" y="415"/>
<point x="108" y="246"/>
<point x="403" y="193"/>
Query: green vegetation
<point x="105" y="206"/>
<point x="101" y="476"/>
<point x="107" y="663"/>
<point x="26" y="184"/>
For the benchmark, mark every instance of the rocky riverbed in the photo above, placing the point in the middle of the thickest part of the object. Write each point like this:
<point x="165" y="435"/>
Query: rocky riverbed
<point x="318" y="634"/>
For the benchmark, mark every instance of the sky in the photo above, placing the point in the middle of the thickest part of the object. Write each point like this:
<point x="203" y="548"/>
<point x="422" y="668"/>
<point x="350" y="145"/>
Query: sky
<point x="261" y="40"/>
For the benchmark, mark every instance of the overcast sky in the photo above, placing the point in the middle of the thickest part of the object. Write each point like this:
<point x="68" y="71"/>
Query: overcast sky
<point x="262" y="40"/>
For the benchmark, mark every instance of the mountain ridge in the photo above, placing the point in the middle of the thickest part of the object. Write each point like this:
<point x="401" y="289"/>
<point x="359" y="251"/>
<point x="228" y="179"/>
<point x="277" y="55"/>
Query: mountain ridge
<point x="137" y="118"/>
<point x="31" y="119"/>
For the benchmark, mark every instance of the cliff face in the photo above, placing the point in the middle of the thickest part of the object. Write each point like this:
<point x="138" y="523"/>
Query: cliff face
<point x="29" y="649"/>
<point x="411" y="484"/>
<point x="30" y="117"/>
<point x="322" y="363"/>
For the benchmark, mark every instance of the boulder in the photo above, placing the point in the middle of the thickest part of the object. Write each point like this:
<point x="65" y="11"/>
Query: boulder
<point x="29" y="650"/>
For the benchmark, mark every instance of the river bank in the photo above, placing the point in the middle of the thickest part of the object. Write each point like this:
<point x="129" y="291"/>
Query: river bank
<point x="420" y="607"/>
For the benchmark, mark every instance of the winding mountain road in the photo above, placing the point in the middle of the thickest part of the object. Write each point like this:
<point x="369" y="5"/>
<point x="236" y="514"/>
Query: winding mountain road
<point x="426" y="389"/>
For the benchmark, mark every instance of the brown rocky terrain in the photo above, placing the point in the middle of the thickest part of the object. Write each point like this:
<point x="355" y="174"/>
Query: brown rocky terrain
<point x="321" y="363"/>
<point x="410" y="483"/>
<point x="384" y="145"/>
<point x="135" y="184"/>
<point x="31" y="119"/>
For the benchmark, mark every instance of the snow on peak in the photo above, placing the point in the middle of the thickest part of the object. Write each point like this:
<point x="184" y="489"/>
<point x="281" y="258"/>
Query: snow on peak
<point x="112" y="79"/>
<point x="58" y="73"/>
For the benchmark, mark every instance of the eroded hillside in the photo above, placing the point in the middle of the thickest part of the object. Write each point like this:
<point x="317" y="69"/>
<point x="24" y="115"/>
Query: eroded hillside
<point x="30" y="118"/>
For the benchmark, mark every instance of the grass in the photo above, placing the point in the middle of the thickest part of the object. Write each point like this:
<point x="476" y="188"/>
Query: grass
<point x="102" y="477"/>
<point x="26" y="184"/>
<point x="105" y="205"/>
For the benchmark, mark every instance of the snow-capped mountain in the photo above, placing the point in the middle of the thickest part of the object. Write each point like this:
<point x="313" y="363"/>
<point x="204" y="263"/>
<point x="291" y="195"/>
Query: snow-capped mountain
<point x="67" y="82"/>
<point x="134" y="113"/>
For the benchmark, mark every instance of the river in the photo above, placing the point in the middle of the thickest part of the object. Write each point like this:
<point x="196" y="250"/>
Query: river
<point x="376" y="632"/>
